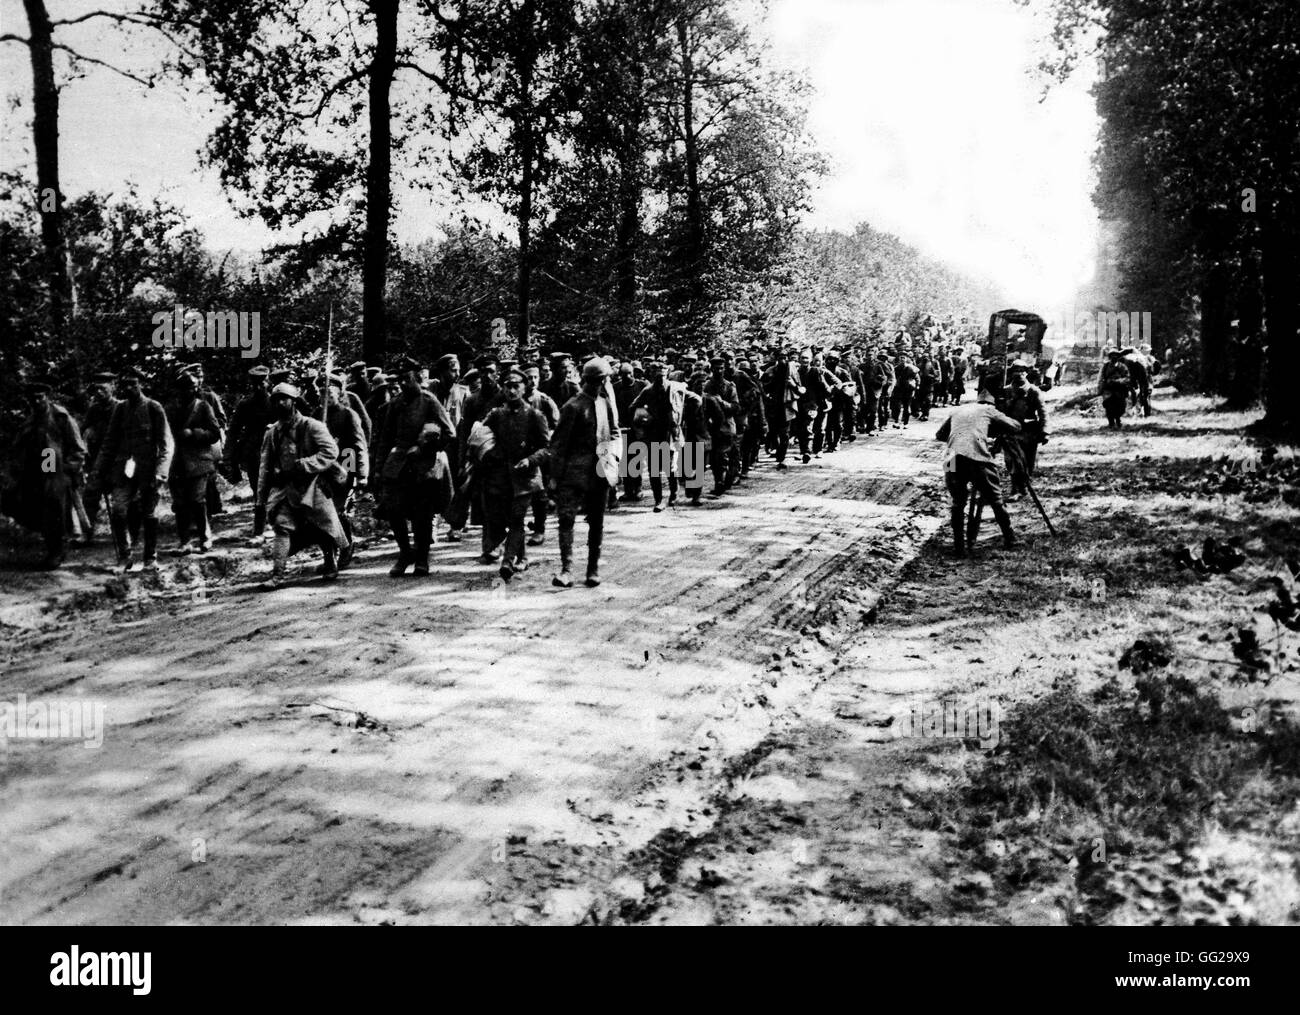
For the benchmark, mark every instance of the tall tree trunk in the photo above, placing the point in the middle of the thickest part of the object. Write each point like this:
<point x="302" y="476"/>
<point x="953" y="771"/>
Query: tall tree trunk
<point x="694" y="205"/>
<point x="526" y="140"/>
<point x="630" y="183"/>
<point x="379" y="193"/>
<point x="1282" y="309"/>
<point x="1214" y="326"/>
<point x="45" y="136"/>
<point x="1248" y="353"/>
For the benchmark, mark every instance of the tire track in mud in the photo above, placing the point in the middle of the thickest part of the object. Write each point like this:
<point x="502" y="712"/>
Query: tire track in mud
<point x="498" y="730"/>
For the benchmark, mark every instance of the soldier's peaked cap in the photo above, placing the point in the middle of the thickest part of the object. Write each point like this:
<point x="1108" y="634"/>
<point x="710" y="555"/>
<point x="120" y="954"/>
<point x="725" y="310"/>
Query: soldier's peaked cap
<point x="260" y="371"/>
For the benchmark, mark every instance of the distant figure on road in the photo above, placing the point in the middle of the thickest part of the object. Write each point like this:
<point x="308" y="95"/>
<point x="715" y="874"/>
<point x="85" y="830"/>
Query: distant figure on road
<point x="1115" y="386"/>
<point x="1024" y="403"/>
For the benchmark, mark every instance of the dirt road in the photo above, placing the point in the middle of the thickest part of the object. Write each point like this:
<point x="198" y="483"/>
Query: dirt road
<point x="449" y="750"/>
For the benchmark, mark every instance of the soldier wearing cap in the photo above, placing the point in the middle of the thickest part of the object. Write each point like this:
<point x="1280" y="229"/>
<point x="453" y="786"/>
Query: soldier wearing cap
<point x="93" y="429"/>
<point x="626" y="389"/>
<point x="243" y="451"/>
<point x="197" y="435"/>
<point x="905" y="382"/>
<point x="839" y="417"/>
<point x="1023" y="402"/>
<point x="581" y="468"/>
<point x="782" y="388"/>
<point x="751" y="419"/>
<point x="446" y="385"/>
<point x="346" y="428"/>
<point x="359" y="380"/>
<point x="295" y="485"/>
<point x="478" y="403"/>
<point x="542" y="402"/>
<point x="1115" y="386"/>
<point x="511" y="471"/>
<point x="415" y="476"/>
<point x="657" y="416"/>
<point x="721" y="402"/>
<point x="925" y="381"/>
<point x="48" y="453"/>
<point x="883" y="380"/>
<point x="133" y="463"/>
<point x="560" y="386"/>
<point x="212" y="494"/>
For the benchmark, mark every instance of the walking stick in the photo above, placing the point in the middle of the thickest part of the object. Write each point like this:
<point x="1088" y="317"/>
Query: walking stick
<point x="1019" y="456"/>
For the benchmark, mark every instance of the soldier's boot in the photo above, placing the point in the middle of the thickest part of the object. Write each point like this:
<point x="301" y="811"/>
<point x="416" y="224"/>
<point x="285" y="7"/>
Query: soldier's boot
<point x="404" y="557"/>
<point x="329" y="569"/>
<point x="118" y="527"/>
<point x="133" y="519"/>
<point x="958" y="532"/>
<point x="421" y="556"/>
<point x="202" y="530"/>
<point x="564" y="580"/>
<point x="279" y="562"/>
<point x="1009" y="540"/>
<point x="150" y="542"/>
<point x="259" y="520"/>
<point x="593" y="565"/>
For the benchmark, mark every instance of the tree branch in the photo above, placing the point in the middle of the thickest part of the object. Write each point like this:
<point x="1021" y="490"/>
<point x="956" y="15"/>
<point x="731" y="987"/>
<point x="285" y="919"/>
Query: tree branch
<point x="147" y="82"/>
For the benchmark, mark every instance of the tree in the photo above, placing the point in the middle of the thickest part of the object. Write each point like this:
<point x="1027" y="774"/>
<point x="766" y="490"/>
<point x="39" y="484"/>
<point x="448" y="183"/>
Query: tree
<point x="42" y="43"/>
<point x="291" y="149"/>
<point x="513" y="66"/>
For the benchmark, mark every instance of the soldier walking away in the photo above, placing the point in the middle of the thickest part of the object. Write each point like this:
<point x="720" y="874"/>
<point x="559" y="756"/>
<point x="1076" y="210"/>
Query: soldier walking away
<point x="415" y="476"/>
<point x="580" y="472"/>
<point x="195" y="430"/>
<point x="512" y="473"/>
<point x="243" y="451"/>
<point x="1139" y="366"/>
<point x="299" y="465"/>
<point x="1115" y="386"/>
<point x="1023" y="402"/>
<point x="969" y="463"/>
<point x="133" y="463"/>
<point x="48" y="453"/>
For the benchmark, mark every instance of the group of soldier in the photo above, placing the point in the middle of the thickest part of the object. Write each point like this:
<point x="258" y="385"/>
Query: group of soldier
<point x="502" y="446"/>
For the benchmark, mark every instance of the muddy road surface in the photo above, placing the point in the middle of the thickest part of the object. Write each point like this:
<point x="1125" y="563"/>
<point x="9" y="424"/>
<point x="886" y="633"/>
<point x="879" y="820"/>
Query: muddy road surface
<point x="443" y="750"/>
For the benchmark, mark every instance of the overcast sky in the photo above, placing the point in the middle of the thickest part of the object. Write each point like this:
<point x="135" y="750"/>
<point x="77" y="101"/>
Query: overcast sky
<point x="928" y="109"/>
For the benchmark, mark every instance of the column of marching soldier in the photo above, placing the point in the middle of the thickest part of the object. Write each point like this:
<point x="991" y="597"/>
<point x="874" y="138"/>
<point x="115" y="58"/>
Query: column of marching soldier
<point x="501" y="446"/>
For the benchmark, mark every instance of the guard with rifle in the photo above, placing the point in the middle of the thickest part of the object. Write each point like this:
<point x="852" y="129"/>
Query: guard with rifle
<point x="1023" y="402"/>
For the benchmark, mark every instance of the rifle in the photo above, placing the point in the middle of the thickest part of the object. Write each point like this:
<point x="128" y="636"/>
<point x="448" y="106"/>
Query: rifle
<point x="329" y="366"/>
<point x="976" y="511"/>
